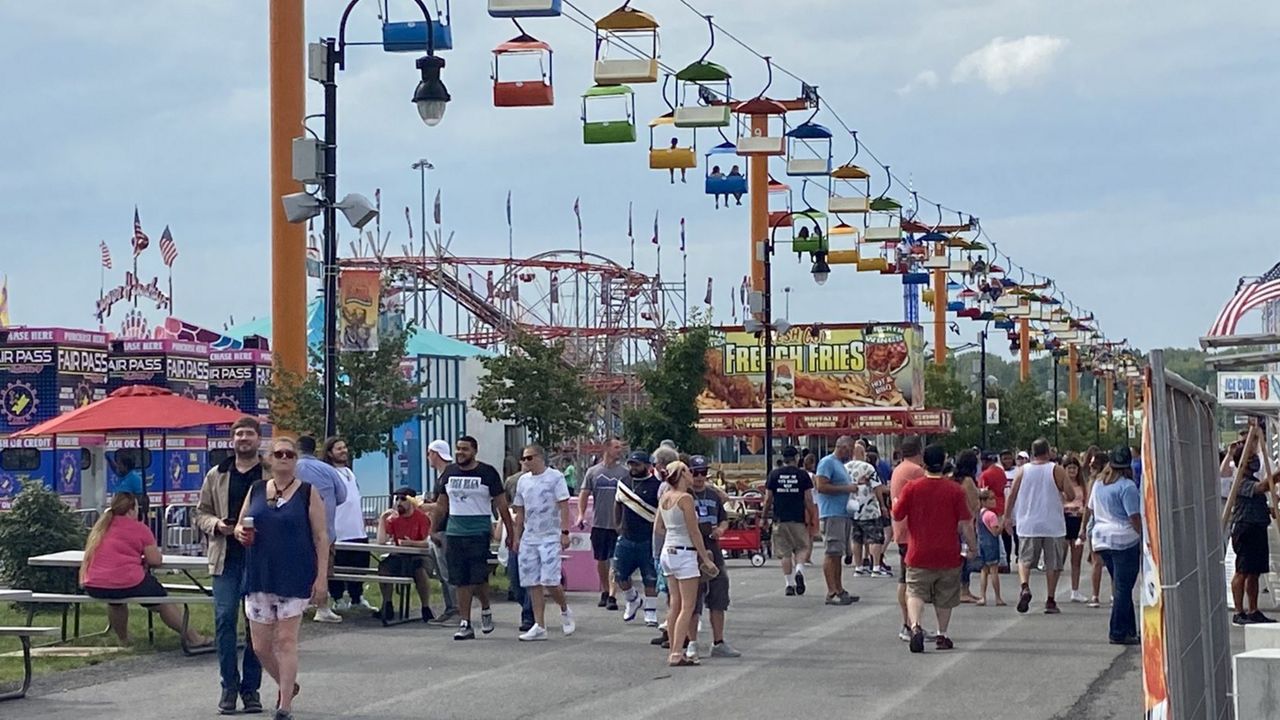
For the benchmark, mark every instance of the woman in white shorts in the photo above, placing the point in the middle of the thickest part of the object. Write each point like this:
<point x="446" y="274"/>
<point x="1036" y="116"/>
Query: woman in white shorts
<point x="683" y="554"/>
<point x="286" y="563"/>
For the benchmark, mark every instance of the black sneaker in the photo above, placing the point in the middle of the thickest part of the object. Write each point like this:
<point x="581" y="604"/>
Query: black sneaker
<point x="661" y="640"/>
<point x="252" y="702"/>
<point x="917" y="640"/>
<point x="604" y="600"/>
<point x="1240" y="619"/>
<point x="1024" y="600"/>
<point x="612" y="603"/>
<point x="387" y="613"/>
<point x="799" y="583"/>
<point x="427" y="615"/>
<point x="848" y="559"/>
<point x="1131" y="640"/>
<point x="227" y="704"/>
<point x="1258" y="618"/>
<point x="525" y="626"/>
<point x="791" y="591"/>
<point x="465" y="632"/>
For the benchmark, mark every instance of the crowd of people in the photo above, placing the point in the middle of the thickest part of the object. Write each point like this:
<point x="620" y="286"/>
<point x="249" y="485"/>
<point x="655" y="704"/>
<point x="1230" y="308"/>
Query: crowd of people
<point x="271" y="521"/>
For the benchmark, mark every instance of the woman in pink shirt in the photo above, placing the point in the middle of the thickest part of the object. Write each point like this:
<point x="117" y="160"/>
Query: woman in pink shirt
<point x="117" y="557"/>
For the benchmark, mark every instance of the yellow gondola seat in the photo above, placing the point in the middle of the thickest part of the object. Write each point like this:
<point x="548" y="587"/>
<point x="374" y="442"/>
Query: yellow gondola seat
<point x="620" y="36"/>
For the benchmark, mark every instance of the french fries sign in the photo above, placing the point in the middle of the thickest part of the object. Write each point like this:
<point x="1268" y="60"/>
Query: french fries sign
<point x="833" y="366"/>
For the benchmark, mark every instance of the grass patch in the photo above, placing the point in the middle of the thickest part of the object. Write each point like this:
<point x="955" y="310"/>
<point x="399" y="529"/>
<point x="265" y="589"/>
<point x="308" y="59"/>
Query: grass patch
<point x="93" y="619"/>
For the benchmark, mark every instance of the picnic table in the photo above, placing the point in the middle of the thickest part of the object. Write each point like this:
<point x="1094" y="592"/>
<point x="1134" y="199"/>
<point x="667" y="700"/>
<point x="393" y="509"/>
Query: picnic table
<point x="187" y="564"/>
<point x="379" y="553"/>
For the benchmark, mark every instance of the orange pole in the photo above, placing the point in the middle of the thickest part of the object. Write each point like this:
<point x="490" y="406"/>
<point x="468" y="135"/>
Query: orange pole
<point x="1073" y="380"/>
<point x="1024" y="342"/>
<point x="1129" y="402"/>
<point x="288" y="241"/>
<point x="940" y="312"/>
<point x="758" y="191"/>
<point x="1111" y="393"/>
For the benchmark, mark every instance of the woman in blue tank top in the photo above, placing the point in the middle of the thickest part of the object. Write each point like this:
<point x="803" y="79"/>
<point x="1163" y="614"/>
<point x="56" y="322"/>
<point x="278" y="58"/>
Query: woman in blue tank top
<point x="286" y="563"/>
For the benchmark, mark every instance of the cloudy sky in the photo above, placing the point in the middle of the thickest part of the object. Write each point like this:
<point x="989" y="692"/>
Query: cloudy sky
<point x="1122" y="147"/>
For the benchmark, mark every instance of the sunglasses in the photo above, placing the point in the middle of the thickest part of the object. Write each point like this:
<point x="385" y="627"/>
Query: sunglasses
<point x="528" y="458"/>
<point x="284" y="455"/>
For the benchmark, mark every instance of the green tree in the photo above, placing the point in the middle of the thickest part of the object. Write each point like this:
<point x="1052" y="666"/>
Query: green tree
<point x="672" y="386"/>
<point x="374" y="396"/>
<point x="1025" y="414"/>
<point x="943" y="389"/>
<point x="533" y="385"/>
<point x="37" y="524"/>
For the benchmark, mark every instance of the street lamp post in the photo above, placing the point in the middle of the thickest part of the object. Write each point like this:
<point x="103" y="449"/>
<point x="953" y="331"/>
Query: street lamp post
<point x="1053" y="359"/>
<point x="431" y="98"/>
<point x="820" y="271"/>
<point x="419" y="307"/>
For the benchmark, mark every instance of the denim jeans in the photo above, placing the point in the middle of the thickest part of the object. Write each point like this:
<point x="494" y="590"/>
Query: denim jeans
<point x="523" y="596"/>
<point x="1122" y="566"/>
<point x="228" y="594"/>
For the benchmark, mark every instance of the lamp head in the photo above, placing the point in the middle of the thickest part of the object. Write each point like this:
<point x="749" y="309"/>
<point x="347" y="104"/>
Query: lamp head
<point x="431" y="96"/>
<point x="300" y="207"/>
<point x="821" y="270"/>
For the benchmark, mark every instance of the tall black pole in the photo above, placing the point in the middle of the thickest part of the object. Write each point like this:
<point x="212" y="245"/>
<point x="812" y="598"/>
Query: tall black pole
<point x="1053" y="358"/>
<point x="331" y="239"/>
<point x="768" y="356"/>
<point x="1097" y="414"/>
<point x="982" y="383"/>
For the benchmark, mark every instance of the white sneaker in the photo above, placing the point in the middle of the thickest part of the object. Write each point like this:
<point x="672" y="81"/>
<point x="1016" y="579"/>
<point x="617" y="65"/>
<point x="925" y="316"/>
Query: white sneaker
<point x="904" y="634"/>
<point x="364" y="603"/>
<point x="1077" y="596"/>
<point x="651" y="618"/>
<point x="566" y="622"/>
<point x="342" y="605"/>
<point x="633" y="607"/>
<point x="537" y="632"/>
<point x="663" y="626"/>
<point x="325" y="615"/>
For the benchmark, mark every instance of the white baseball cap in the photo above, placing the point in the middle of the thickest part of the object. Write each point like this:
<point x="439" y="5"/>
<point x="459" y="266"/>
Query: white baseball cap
<point x="442" y="449"/>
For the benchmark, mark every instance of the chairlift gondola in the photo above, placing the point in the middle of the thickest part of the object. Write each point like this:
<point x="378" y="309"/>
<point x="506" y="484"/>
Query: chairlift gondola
<point x="524" y="8"/>
<point x="720" y="181"/>
<point x="761" y="143"/>
<point x="670" y="155"/>
<point x="524" y="93"/>
<point x="808" y="150"/>
<point x="779" y="214"/>
<point x="705" y="95"/>
<point x="617" y="104"/>
<point x="411" y="36"/>
<point x="626" y="47"/>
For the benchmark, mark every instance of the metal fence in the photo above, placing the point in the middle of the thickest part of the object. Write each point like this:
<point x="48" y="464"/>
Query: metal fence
<point x="1182" y="450"/>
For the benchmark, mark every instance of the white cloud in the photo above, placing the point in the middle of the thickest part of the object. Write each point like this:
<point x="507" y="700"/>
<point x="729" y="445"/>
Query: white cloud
<point x="923" y="80"/>
<point x="1005" y="64"/>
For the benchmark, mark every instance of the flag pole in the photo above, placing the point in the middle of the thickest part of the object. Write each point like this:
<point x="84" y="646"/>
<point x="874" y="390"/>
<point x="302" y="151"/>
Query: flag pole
<point x="171" y="291"/>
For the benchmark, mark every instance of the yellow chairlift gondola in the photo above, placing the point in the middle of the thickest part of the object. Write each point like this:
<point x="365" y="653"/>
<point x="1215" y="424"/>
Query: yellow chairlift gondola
<point x="626" y="47"/>
<point x="670" y="155"/>
<point x="704" y="93"/>
<point x="538" y="92"/>
<point x="617" y="105"/>
<point x="855" y="200"/>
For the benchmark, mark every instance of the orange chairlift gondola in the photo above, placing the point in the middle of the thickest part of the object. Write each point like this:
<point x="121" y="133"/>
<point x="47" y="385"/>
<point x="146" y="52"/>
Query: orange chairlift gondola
<point x="626" y="47"/>
<point x="761" y="143"/>
<point x="524" y="8"/>
<point x="523" y="49"/>
<point x="779" y="204"/>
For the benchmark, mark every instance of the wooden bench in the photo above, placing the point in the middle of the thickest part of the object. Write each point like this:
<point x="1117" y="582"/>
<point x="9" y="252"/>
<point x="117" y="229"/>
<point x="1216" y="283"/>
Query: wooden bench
<point x="24" y="635"/>
<point x="360" y="575"/>
<point x="69" y="600"/>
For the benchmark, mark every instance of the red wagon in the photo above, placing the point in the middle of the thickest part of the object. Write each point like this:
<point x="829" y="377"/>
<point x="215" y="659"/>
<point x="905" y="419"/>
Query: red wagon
<point x="746" y="535"/>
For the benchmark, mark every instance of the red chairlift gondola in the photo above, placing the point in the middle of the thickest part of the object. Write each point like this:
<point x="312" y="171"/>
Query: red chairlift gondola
<point x="524" y="93"/>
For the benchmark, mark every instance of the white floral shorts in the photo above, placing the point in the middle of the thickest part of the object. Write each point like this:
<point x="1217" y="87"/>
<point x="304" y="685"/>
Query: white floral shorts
<point x="268" y="608"/>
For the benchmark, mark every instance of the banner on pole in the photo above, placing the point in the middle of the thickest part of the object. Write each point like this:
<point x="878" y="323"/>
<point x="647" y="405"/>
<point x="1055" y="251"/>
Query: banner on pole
<point x="993" y="411"/>
<point x="358" y="302"/>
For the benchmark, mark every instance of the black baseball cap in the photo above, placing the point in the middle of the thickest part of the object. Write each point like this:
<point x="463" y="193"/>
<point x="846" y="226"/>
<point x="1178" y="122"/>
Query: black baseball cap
<point x="405" y="491"/>
<point x="790" y="451"/>
<point x="698" y="463"/>
<point x="639" y="456"/>
<point x="1121" y="457"/>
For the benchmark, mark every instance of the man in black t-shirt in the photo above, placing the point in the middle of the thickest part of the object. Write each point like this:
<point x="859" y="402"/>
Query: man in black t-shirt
<point x="789" y="495"/>
<point x="467" y="494"/>
<point x="636" y="505"/>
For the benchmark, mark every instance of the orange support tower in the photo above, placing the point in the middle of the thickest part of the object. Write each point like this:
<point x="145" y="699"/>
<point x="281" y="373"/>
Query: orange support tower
<point x="1024" y="349"/>
<point x="1073" y="379"/>
<point x="940" y="314"/>
<point x="288" y="241"/>
<point x="758" y="194"/>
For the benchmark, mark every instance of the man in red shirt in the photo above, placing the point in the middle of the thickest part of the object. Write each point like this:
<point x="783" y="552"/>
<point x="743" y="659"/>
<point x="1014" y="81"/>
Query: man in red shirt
<point x="935" y="509"/>
<point x="405" y="525"/>
<point x="993" y="477"/>
<point x="911" y="468"/>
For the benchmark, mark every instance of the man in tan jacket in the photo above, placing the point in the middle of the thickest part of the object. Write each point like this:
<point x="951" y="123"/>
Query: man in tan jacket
<point x="221" y="497"/>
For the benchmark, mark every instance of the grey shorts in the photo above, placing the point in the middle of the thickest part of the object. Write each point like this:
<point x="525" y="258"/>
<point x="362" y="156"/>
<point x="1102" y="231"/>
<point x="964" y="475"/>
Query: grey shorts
<point x="790" y="538"/>
<point x="1052" y="549"/>
<point x="836" y="531"/>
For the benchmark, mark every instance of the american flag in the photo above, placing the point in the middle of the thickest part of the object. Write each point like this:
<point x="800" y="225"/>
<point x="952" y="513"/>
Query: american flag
<point x="655" y="227"/>
<point x="1248" y="296"/>
<point x="707" y="300"/>
<point x="140" y="239"/>
<point x="168" y="248"/>
<point x="681" y="234"/>
<point x="106" y="254"/>
<point x="435" y="212"/>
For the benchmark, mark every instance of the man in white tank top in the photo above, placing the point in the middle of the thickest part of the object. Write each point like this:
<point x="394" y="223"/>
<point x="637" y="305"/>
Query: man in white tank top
<point x="1035" y="510"/>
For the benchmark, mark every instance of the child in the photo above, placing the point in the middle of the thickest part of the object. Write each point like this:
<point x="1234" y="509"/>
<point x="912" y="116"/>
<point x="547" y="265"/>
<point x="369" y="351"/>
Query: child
<point x="989" y="530"/>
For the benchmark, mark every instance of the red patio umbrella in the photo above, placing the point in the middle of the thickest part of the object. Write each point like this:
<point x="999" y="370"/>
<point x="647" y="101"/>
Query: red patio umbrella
<point x="136" y="407"/>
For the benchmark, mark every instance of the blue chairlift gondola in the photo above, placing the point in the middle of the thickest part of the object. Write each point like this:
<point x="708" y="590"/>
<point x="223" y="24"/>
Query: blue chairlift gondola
<point x="411" y="36"/>
<point x="721" y="181"/>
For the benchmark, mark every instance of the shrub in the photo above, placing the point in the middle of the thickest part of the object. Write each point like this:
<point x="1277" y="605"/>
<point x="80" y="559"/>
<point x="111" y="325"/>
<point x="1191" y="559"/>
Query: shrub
<point x="38" y="523"/>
